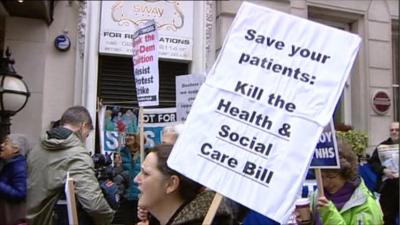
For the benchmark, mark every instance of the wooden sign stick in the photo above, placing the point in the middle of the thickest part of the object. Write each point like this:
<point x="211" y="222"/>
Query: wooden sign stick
<point x="320" y="184"/>
<point x="71" y="203"/>
<point x="213" y="209"/>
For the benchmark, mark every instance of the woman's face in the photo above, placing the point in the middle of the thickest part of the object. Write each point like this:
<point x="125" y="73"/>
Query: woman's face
<point x="332" y="181"/>
<point x="7" y="148"/>
<point x="130" y="140"/>
<point x="152" y="183"/>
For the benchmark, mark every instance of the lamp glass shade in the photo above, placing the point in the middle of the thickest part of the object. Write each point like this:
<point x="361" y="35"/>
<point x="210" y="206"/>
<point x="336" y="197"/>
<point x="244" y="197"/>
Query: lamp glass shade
<point x="14" y="94"/>
<point x="13" y="102"/>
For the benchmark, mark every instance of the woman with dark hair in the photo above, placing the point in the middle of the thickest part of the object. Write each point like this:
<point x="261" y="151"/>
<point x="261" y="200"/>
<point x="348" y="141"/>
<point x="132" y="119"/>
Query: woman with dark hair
<point x="172" y="198"/>
<point x="347" y="200"/>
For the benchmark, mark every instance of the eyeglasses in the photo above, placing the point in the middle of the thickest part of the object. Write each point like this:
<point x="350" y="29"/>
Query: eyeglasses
<point x="394" y="129"/>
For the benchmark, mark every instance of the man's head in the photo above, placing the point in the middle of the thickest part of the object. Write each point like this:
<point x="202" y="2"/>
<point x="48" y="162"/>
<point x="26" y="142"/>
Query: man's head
<point x="77" y="119"/>
<point x="394" y="131"/>
<point x="171" y="133"/>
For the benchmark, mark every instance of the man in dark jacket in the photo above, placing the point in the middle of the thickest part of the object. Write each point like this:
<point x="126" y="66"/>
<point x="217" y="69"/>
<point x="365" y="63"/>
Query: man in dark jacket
<point x="384" y="160"/>
<point x="62" y="150"/>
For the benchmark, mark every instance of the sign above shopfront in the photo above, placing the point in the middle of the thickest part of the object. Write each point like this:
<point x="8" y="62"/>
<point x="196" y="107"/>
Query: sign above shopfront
<point x="174" y="20"/>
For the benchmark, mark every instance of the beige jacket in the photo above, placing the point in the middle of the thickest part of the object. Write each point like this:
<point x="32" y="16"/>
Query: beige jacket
<point x="48" y="164"/>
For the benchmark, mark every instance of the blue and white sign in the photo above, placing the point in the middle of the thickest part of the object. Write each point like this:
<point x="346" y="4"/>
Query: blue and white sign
<point x="326" y="154"/>
<point x="154" y="122"/>
<point x="62" y="42"/>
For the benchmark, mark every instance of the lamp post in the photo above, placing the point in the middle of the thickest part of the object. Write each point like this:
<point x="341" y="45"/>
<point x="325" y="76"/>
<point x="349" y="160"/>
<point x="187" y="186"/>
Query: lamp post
<point x="14" y="93"/>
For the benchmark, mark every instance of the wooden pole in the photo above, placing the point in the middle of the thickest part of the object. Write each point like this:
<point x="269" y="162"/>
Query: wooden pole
<point x="141" y="134"/>
<point x="213" y="209"/>
<point x="71" y="203"/>
<point x="320" y="184"/>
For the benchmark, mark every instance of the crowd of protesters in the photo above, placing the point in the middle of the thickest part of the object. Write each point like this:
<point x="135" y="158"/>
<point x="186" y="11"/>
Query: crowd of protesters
<point x="150" y="193"/>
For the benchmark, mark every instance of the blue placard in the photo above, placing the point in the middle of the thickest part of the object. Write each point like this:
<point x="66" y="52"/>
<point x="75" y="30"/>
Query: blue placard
<point x="326" y="152"/>
<point x="153" y="135"/>
<point x="111" y="141"/>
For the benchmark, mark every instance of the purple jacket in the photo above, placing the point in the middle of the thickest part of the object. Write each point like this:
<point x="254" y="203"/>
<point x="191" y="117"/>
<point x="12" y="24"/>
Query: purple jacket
<point x="13" y="178"/>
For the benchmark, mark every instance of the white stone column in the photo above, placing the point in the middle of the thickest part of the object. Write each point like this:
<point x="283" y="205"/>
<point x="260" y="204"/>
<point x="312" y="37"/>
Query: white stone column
<point x="90" y="64"/>
<point x="199" y="40"/>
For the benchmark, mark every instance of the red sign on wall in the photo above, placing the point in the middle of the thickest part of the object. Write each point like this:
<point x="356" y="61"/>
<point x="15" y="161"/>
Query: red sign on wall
<point x="381" y="102"/>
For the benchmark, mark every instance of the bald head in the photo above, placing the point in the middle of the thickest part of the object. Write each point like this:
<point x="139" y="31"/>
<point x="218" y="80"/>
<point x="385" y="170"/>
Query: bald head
<point x="394" y="131"/>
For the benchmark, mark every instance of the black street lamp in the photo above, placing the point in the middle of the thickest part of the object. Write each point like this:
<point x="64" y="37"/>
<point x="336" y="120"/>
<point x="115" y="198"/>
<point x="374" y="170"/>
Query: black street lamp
<point x="14" y="93"/>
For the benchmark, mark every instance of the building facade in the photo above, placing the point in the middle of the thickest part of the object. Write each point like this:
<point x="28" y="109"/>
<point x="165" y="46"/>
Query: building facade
<point x="88" y="72"/>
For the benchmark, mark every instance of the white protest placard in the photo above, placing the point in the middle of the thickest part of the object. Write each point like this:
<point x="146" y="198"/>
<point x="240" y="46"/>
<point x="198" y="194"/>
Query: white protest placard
<point x="256" y="120"/>
<point x="326" y="155"/>
<point x="145" y="64"/>
<point x="186" y="89"/>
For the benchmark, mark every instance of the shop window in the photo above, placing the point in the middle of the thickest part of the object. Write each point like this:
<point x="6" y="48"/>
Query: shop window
<point x="342" y="113"/>
<point x="116" y="85"/>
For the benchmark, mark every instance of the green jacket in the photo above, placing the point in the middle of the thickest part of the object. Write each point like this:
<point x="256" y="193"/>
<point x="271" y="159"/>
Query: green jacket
<point x="361" y="209"/>
<point x="48" y="164"/>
